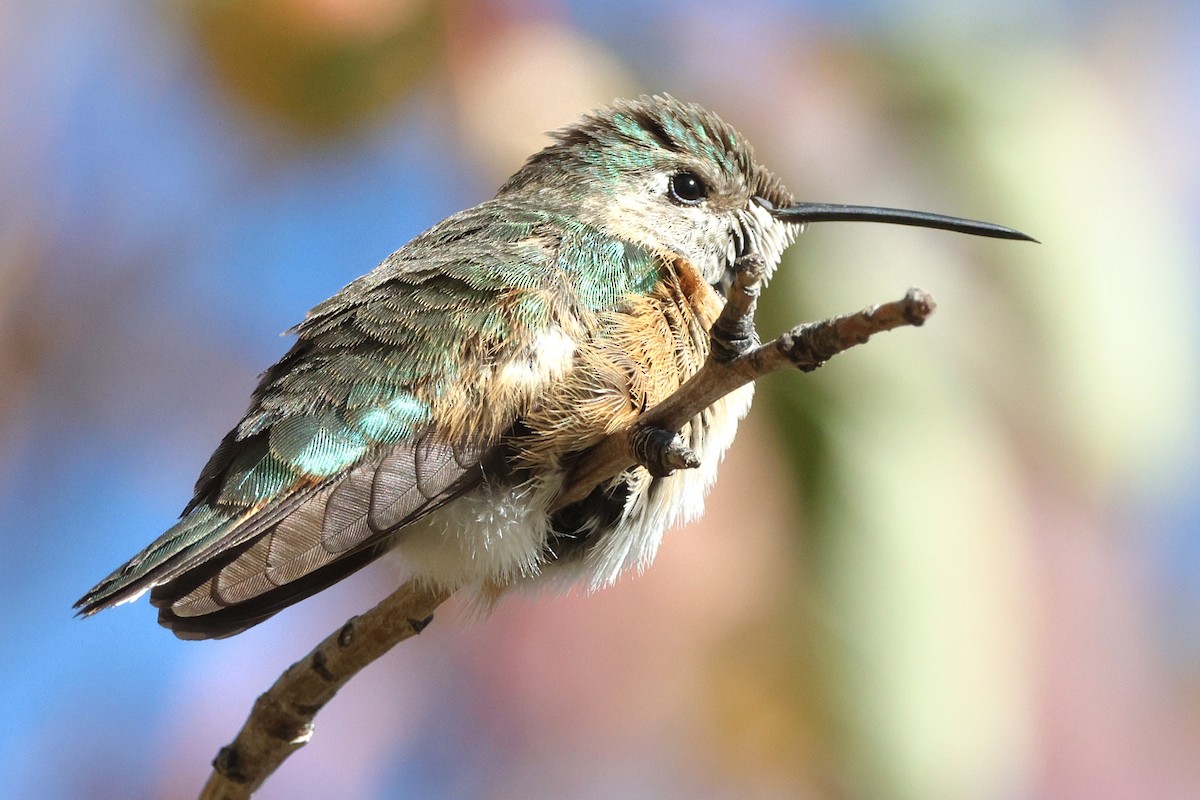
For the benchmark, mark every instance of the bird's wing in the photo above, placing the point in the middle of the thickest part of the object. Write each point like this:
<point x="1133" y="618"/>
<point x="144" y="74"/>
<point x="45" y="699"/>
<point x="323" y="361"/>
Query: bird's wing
<point x="396" y="397"/>
<point x="326" y="533"/>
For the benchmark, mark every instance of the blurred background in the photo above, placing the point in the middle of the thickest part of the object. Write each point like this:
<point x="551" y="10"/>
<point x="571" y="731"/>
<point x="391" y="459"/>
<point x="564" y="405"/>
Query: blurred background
<point x="961" y="562"/>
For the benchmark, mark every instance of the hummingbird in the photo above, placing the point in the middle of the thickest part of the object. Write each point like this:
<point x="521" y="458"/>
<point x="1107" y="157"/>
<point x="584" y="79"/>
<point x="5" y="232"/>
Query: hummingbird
<point x="433" y="407"/>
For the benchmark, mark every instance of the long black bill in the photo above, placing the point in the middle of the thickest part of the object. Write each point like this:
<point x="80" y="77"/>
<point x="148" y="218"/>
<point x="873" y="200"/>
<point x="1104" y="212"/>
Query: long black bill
<point x="832" y="212"/>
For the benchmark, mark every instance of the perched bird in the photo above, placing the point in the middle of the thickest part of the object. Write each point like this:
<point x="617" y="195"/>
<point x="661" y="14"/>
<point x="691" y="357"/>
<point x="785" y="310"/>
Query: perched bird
<point x="434" y="405"/>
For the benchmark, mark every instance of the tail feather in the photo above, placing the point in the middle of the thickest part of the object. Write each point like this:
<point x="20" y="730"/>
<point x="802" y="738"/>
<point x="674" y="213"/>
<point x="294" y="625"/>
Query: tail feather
<point x="320" y="541"/>
<point x="226" y="567"/>
<point x="204" y="531"/>
<point x="129" y="581"/>
<point x="227" y="620"/>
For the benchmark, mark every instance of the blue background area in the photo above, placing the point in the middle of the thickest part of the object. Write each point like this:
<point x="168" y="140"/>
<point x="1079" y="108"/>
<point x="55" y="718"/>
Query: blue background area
<point x="179" y="233"/>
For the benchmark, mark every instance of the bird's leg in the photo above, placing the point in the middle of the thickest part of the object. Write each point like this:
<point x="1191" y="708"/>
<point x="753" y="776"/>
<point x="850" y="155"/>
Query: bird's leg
<point x="734" y="334"/>
<point x="661" y="450"/>
<point x="733" y="362"/>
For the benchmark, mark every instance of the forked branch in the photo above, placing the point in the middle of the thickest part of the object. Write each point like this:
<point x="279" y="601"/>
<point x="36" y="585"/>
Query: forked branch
<point x="735" y="359"/>
<point x="281" y="721"/>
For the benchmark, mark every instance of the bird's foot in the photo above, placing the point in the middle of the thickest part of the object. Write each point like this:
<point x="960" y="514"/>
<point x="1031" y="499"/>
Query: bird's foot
<point x="733" y="334"/>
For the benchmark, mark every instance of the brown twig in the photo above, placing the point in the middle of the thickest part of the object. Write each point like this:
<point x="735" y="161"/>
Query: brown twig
<point x="281" y="721"/>
<point x="736" y="359"/>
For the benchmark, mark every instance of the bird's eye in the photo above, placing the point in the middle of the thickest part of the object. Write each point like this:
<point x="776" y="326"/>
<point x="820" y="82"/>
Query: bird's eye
<point x="687" y="188"/>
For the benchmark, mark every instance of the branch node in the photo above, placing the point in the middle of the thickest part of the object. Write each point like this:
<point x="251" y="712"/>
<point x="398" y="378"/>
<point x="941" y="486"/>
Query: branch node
<point x="799" y="346"/>
<point x="319" y="665"/>
<point x="304" y="736"/>
<point x="660" y="451"/>
<point x="419" y="625"/>
<point x="346" y="634"/>
<point x="228" y="763"/>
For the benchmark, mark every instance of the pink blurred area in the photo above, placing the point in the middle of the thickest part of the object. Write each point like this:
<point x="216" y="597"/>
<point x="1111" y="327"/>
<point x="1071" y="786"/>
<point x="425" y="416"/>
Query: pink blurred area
<point x="962" y="562"/>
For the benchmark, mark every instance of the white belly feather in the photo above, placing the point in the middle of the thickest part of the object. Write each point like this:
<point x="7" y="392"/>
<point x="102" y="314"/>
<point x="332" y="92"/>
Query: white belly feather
<point x="496" y="536"/>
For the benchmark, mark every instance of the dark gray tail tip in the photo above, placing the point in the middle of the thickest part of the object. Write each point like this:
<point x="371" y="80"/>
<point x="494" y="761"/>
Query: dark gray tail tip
<point x="833" y="212"/>
<point x="85" y="606"/>
<point x="102" y="596"/>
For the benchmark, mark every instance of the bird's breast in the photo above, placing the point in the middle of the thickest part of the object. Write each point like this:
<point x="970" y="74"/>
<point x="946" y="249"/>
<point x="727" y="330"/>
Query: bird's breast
<point x="633" y="356"/>
<point x="639" y="354"/>
<point x="606" y="374"/>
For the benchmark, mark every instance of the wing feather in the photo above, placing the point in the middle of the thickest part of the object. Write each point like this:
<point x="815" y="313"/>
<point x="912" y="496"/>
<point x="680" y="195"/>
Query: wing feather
<point x="396" y="398"/>
<point x="329" y="525"/>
